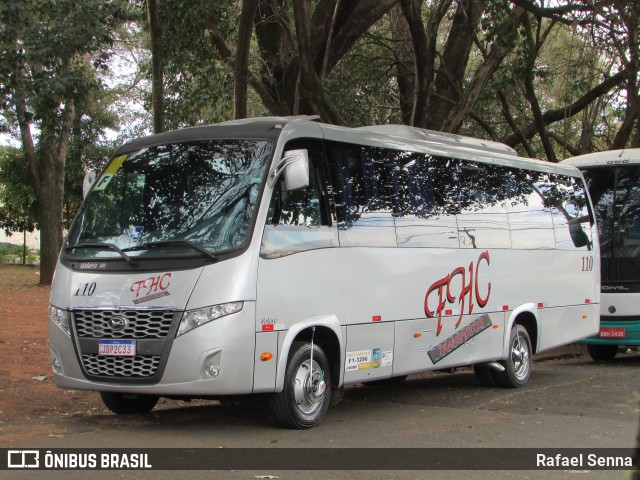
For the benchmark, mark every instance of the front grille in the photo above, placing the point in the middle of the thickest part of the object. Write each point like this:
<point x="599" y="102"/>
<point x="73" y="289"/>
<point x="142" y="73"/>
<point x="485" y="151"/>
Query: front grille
<point x="138" y="323"/>
<point x="121" y="367"/>
<point x="152" y="330"/>
<point x="622" y="318"/>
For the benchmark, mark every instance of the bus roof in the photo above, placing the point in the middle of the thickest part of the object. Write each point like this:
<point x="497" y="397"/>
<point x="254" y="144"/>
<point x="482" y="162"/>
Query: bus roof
<point x="444" y="138"/>
<point x="399" y="137"/>
<point x="606" y="158"/>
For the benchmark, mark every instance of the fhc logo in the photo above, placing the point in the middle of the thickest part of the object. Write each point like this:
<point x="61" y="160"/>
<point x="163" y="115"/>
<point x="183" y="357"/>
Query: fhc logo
<point x="463" y="285"/>
<point x="151" y="288"/>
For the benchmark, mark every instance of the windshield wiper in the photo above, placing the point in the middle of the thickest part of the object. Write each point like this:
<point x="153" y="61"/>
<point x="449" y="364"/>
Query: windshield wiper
<point x="103" y="246"/>
<point x="164" y="243"/>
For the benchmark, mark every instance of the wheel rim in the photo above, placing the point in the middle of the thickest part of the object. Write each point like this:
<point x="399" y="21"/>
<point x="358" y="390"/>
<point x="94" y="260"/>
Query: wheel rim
<point x="520" y="357"/>
<point x="309" y="387"/>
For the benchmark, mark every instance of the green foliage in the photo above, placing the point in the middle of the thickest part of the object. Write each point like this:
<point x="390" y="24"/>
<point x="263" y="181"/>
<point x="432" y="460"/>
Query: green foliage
<point x="44" y="47"/>
<point x="198" y="86"/>
<point x="17" y="198"/>
<point x="363" y="85"/>
<point x="16" y="254"/>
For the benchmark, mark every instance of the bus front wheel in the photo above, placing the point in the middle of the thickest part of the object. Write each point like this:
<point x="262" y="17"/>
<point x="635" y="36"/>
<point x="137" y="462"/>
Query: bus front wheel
<point x="306" y="395"/>
<point x="602" y="353"/>
<point x="518" y="364"/>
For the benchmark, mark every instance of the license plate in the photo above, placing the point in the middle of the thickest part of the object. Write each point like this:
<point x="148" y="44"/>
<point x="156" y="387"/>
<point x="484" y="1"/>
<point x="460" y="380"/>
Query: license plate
<point x="613" y="333"/>
<point x="117" y="348"/>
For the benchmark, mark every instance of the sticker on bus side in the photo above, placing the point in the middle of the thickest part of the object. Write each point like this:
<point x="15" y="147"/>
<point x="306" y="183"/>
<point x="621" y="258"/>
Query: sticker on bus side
<point x="458" y="339"/>
<point x="357" y="360"/>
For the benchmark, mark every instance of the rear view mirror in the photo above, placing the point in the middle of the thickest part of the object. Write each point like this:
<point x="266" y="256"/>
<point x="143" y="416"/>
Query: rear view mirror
<point x="296" y="173"/>
<point x="295" y="165"/>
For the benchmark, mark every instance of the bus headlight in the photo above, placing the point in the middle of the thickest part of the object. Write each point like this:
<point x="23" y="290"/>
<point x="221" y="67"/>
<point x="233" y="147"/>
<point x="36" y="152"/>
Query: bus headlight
<point x="60" y="317"/>
<point x="194" y="318"/>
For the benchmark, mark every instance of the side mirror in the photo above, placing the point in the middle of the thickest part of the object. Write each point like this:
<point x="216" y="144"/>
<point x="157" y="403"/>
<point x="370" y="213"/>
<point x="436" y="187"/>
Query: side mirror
<point x="295" y="165"/>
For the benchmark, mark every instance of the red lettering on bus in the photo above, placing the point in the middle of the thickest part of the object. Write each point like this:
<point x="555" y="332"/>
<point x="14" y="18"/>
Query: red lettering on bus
<point x="449" y="289"/>
<point x="151" y="285"/>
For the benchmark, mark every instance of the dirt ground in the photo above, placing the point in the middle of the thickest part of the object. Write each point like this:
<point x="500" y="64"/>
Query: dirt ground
<point x="27" y="390"/>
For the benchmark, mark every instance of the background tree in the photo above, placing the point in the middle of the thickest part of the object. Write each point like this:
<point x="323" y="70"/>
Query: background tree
<point x="157" y="66"/>
<point x="18" y="211"/>
<point x="548" y="79"/>
<point x="47" y="62"/>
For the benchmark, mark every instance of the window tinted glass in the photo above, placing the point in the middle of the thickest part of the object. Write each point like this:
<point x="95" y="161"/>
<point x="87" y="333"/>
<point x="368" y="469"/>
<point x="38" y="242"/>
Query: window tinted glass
<point x="616" y="199"/>
<point x="482" y="217"/>
<point x="202" y="192"/>
<point x="426" y="219"/>
<point x="299" y="220"/>
<point x="362" y="179"/>
<point x="529" y="210"/>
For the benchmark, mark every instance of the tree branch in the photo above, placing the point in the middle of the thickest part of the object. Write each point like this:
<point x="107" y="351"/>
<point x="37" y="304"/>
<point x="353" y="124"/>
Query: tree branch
<point x="576" y="107"/>
<point x="225" y="55"/>
<point x="310" y="85"/>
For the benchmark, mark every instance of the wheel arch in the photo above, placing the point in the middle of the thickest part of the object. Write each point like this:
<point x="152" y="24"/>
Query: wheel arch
<point x="525" y="315"/>
<point x="328" y="336"/>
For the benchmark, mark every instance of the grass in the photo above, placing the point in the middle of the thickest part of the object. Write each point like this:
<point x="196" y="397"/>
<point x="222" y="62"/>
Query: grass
<point x="14" y="253"/>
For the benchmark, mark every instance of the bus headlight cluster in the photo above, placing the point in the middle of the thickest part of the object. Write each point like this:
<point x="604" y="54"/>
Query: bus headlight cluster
<point x="60" y="317"/>
<point x="194" y="318"/>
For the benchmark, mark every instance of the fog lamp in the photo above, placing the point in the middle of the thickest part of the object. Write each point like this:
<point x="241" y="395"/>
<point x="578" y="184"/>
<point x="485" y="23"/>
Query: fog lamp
<point x="213" y="370"/>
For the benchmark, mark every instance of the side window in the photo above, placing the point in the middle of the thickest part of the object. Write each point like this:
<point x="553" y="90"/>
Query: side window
<point x="529" y="210"/>
<point x="570" y="212"/>
<point x="302" y="207"/>
<point x="300" y="220"/>
<point x="362" y="181"/>
<point x="425" y="218"/>
<point x="482" y="213"/>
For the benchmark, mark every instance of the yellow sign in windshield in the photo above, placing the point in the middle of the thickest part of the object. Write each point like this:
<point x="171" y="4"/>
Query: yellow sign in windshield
<point x="109" y="172"/>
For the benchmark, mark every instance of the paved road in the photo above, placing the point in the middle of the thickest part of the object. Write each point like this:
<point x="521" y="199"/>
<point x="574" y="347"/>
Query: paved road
<point x="568" y="403"/>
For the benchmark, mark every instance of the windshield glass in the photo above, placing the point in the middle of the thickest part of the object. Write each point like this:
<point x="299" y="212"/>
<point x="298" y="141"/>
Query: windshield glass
<point x="615" y="193"/>
<point x="192" y="198"/>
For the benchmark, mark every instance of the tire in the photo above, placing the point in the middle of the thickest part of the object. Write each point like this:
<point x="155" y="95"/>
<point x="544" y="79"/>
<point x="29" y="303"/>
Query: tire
<point x="122" y="403"/>
<point x="518" y="365"/>
<point x="306" y="395"/>
<point x="602" y="353"/>
<point x="485" y="375"/>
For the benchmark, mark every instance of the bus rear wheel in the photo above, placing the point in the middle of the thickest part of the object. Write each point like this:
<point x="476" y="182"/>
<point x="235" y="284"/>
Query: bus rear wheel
<point x="602" y="353"/>
<point x="306" y="395"/>
<point x="123" y="403"/>
<point x="518" y="366"/>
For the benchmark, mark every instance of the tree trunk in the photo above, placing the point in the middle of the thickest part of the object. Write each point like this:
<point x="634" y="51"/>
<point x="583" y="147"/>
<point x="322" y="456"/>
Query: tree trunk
<point x="311" y="89"/>
<point x="54" y="145"/>
<point x="245" y="30"/>
<point x="450" y="78"/>
<point x="50" y="214"/>
<point x="498" y="52"/>
<point x="424" y="50"/>
<point x="157" y="67"/>
<point x="405" y="63"/>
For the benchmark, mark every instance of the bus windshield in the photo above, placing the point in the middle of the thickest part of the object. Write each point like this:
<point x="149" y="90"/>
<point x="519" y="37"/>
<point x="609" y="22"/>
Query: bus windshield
<point x="616" y="198"/>
<point x="195" y="198"/>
